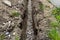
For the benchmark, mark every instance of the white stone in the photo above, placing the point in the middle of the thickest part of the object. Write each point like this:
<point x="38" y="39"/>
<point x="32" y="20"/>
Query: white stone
<point x="7" y="2"/>
<point x="9" y="35"/>
<point x="14" y="33"/>
<point x="55" y="2"/>
<point x="4" y="23"/>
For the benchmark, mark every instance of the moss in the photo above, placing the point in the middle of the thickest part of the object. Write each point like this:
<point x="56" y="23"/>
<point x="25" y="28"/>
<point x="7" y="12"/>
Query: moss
<point x="56" y="13"/>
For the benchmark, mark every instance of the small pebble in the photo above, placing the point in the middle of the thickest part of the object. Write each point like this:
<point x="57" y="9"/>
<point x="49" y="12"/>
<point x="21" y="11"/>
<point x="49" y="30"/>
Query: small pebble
<point x="4" y="23"/>
<point x="7" y="33"/>
<point x="9" y="23"/>
<point x="14" y="33"/>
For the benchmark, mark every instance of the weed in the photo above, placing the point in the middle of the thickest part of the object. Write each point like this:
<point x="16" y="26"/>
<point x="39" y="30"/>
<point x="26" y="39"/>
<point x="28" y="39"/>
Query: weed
<point x="16" y="37"/>
<point x="2" y="36"/>
<point x="53" y="34"/>
<point x="49" y="1"/>
<point x="56" y="11"/>
<point x="15" y="13"/>
<point x="57" y="17"/>
<point x="54" y="24"/>
<point x="41" y="6"/>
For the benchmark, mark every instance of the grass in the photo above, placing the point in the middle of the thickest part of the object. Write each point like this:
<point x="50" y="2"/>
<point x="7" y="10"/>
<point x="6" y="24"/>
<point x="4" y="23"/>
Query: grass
<point x="14" y="13"/>
<point x="2" y="36"/>
<point x="16" y="37"/>
<point x="41" y="6"/>
<point x="54" y="24"/>
<point x="56" y="13"/>
<point x="53" y="33"/>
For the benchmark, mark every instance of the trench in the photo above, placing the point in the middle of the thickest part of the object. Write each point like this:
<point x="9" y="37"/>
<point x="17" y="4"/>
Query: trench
<point x="34" y="24"/>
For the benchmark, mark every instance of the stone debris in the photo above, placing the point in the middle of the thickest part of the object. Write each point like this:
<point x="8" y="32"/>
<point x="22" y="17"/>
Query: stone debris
<point x="7" y="2"/>
<point x="7" y="33"/>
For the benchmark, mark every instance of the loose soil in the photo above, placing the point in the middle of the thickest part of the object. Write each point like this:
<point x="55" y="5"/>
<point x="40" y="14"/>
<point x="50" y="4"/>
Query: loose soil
<point x="16" y="26"/>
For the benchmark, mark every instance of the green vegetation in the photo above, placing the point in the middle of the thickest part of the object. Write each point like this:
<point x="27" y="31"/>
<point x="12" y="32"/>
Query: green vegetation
<point x="56" y="13"/>
<point x="16" y="37"/>
<point x="54" y="24"/>
<point x="2" y="36"/>
<point x="41" y="6"/>
<point x="49" y="1"/>
<point x="53" y="33"/>
<point x="15" y="13"/>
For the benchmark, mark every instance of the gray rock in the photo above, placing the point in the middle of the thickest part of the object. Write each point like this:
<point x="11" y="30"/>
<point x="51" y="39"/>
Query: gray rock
<point x="7" y="2"/>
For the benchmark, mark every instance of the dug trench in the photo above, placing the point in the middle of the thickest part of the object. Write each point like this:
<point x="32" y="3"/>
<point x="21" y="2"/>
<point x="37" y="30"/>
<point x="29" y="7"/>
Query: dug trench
<point x="37" y="29"/>
<point x="38" y="23"/>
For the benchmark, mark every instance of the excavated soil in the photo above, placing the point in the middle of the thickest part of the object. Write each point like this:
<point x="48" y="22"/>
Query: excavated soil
<point x="16" y="26"/>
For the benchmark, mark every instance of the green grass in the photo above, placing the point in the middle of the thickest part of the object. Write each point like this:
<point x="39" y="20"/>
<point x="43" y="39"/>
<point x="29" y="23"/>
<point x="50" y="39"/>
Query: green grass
<point x="14" y="13"/>
<point x="53" y="34"/>
<point x="41" y="6"/>
<point x="2" y="36"/>
<point x="56" y="13"/>
<point x="54" y="24"/>
<point x="16" y="37"/>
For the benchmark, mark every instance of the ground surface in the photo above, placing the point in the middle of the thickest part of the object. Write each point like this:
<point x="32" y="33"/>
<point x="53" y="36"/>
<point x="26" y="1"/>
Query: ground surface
<point x="16" y="26"/>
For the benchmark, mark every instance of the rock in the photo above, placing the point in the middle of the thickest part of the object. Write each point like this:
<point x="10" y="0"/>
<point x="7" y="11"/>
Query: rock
<point x="20" y="1"/>
<point x="14" y="33"/>
<point x="7" y="33"/>
<point x="7" y="2"/>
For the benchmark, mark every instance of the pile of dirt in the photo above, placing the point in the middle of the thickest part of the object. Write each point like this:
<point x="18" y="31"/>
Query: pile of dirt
<point x="16" y="26"/>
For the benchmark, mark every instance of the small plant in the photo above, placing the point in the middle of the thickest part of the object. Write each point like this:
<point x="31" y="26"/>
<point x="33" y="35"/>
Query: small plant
<point x="16" y="37"/>
<point x="2" y="36"/>
<point x="41" y="6"/>
<point x="57" y="17"/>
<point x="53" y="34"/>
<point x="56" y="11"/>
<point x="49" y="1"/>
<point x="15" y="13"/>
<point x="54" y="24"/>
